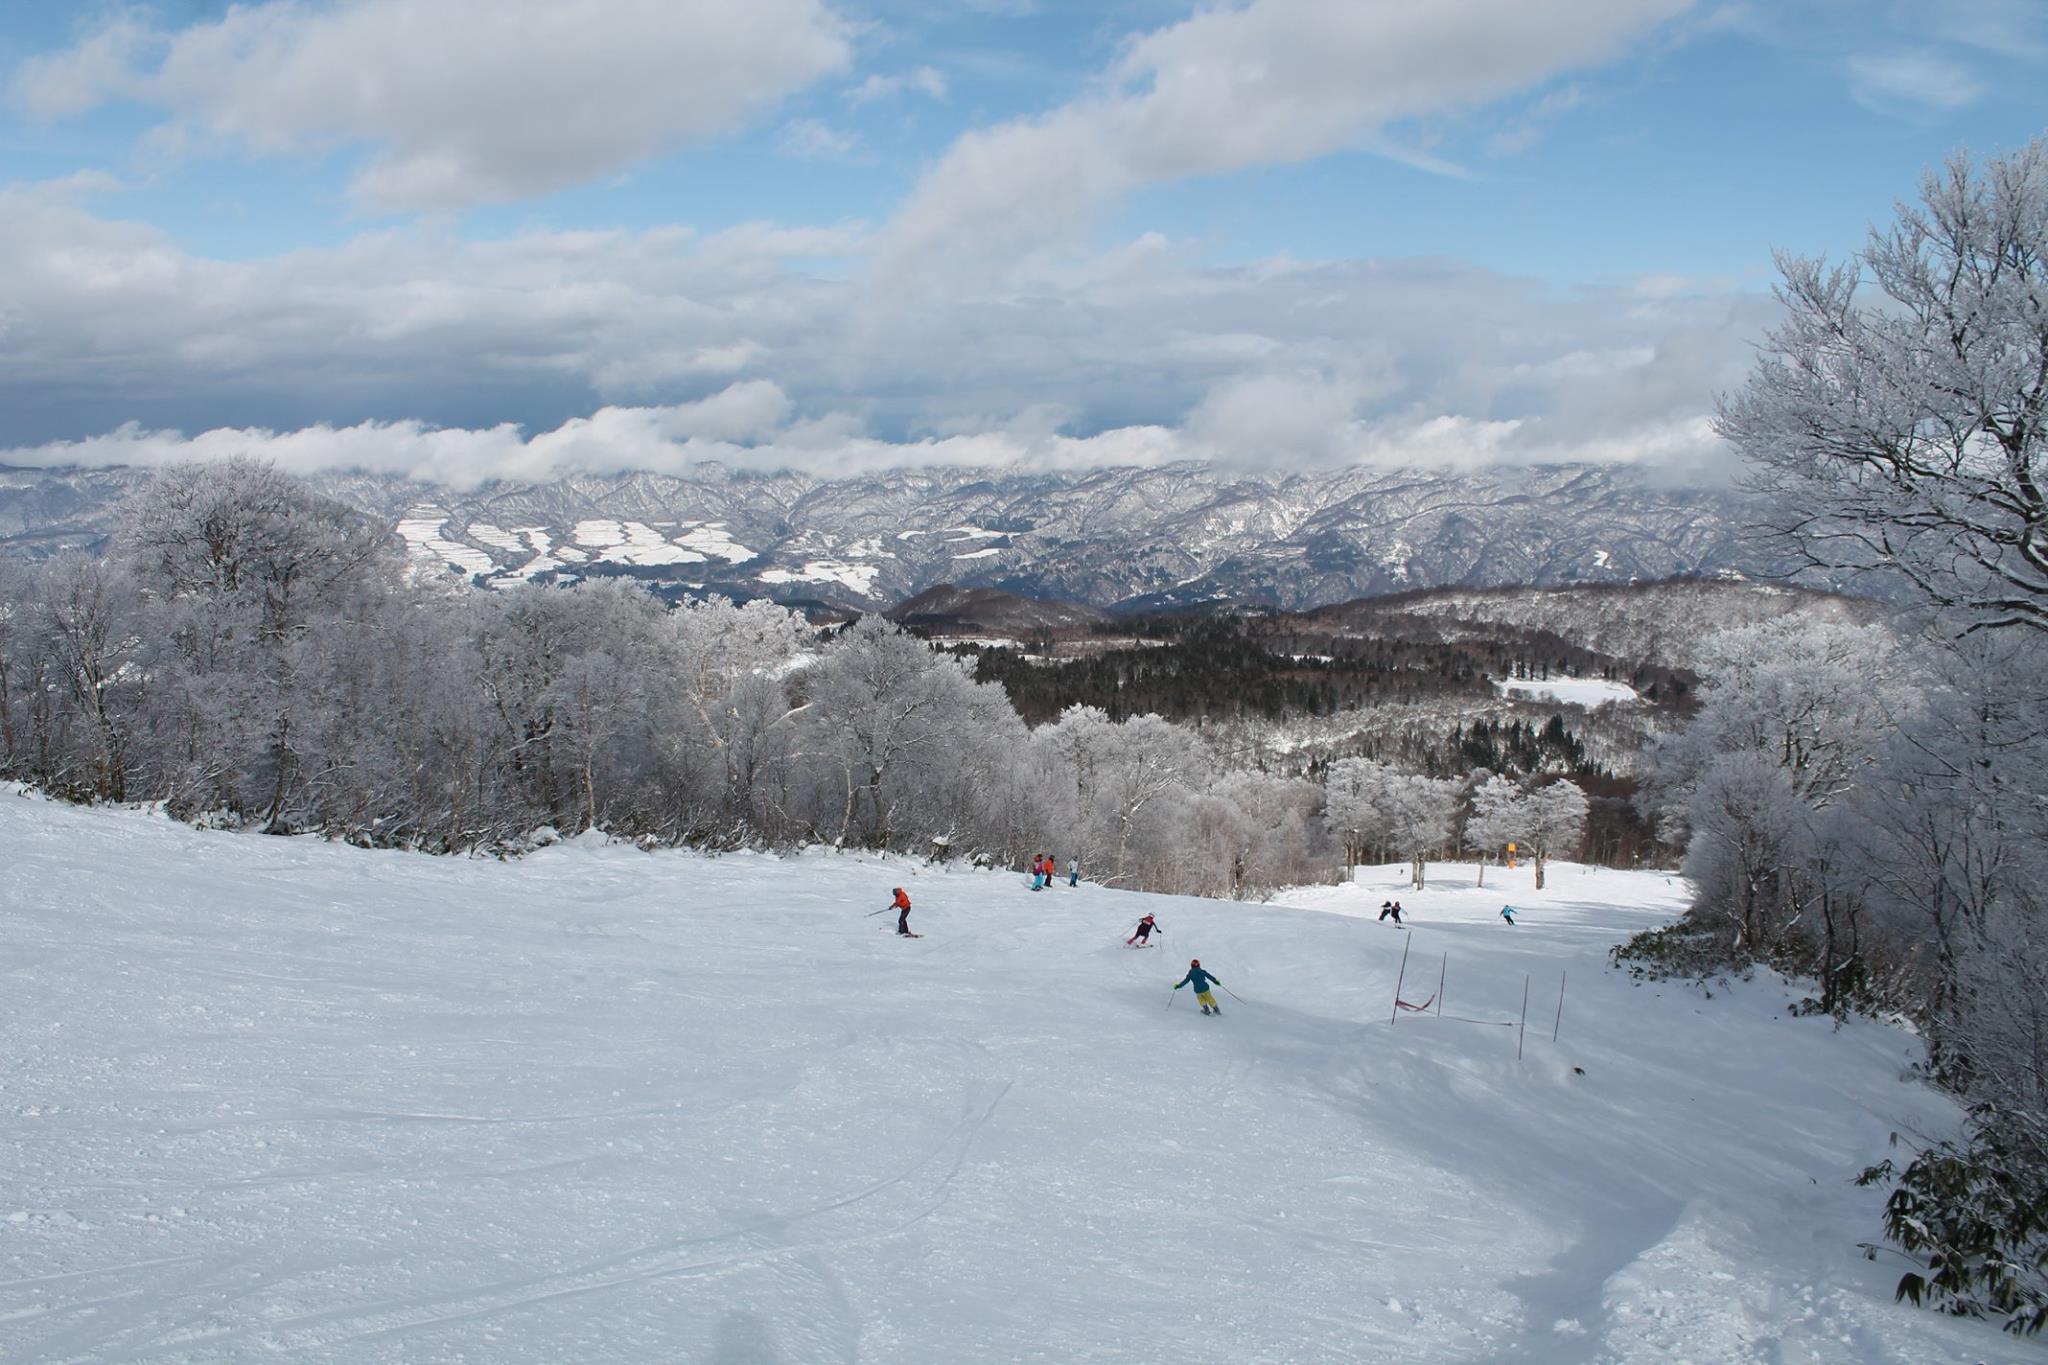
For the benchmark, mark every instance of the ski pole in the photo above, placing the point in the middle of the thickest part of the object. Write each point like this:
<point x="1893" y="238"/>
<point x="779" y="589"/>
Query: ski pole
<point x="1229" y="992"/>
<point x="1171" y="996"/>
<point x="883" y="911"/>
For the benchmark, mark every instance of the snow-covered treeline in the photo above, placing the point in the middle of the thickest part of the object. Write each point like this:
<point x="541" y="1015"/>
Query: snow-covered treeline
<point x="1383" y="812"/>
<point x="251" y="651"/>
<point x="1871" y="808"/>
<point x="1665" y="621"/>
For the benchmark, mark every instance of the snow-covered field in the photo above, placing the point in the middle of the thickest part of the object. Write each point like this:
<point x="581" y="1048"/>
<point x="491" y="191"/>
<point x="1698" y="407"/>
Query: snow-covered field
<point x="1586" y="692"/>
<point x="279" y="1099"/>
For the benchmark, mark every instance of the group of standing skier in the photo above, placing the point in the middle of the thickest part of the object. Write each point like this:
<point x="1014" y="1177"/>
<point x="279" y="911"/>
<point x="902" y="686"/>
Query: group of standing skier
<point x="1045" y="867"/>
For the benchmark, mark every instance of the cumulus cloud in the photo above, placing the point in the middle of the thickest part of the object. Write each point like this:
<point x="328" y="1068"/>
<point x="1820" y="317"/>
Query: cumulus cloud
<point x="668" y="440"/>
<point x="1289" y="417"/>
<point x="459" y="102"/>
<point x="755" y="346"/>
<point x="1260" y="83"/>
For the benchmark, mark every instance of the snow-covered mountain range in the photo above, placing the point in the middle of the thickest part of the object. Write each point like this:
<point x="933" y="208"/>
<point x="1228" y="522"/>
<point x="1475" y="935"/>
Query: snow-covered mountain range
<point x="1130" y="537"/>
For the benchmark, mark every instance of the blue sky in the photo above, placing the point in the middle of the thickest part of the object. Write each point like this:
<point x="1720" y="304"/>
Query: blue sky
<point x="465" y="237"/>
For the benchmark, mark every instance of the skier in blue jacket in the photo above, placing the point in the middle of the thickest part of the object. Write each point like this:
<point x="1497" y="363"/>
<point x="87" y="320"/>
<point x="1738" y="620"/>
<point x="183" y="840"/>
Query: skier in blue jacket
<point x="1200" y="980"/>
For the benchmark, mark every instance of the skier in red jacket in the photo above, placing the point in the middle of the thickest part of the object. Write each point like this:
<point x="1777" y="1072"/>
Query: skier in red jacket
<point x="1142" y="936"/>
<point x="902" y="907"/>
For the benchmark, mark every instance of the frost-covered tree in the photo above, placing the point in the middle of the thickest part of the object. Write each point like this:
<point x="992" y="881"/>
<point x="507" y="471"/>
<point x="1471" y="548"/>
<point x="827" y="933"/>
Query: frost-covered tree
<point x="1793" y="714"/>
<point x="240" y="564"/>
<point x="1247" y="835"/>
<point x="1556" y="823"/>
<point x="1149" y="763"/>
<point x="883" y="716"/>
<point x="740" y="722"/>
<point x="13" y="617"/>
<point x="1909" y="436"/>
<point x="1423" y="811"/>
<point x="1493" y="818"/>
<point x="1543" y="819"/>
<point x="1371" y="806"/>
<point x="1072" y="756"/>
<point x="1353" y="807"/>
<point x="85" y="615"/>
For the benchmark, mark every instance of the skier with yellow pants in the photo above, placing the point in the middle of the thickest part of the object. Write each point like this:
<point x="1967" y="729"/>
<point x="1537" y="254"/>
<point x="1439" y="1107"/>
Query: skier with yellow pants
<point x="1200" y="980"/>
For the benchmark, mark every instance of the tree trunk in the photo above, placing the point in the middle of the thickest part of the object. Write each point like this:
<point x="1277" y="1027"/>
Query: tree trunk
<point x="284" y="727"/>
<point x="589" y="788"/>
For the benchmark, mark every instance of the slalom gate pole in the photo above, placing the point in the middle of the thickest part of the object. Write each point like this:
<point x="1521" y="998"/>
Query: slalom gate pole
<point x="1407" y="941"/>
<point x="1443" y="970"/>
<point x="1558" y="1023"/>
<point x="1523" y="1027"/>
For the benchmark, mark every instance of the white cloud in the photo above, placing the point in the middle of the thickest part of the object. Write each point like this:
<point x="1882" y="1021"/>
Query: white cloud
<point x="459" y="101"/>
<point x="101" y="66"/>
<point x="657" y="369"/>
<point x="1919" y="80"/>
<point x="2006" y="28"/>
<point x="666" y="440"/>
<point x="752" y="345"/>
<point x="809" y="139"/>
<point x="1536" y="121"/>
<point x="925" y="80"/>
<point x="1286" y="418"/>
<point x="1261" y="83"/>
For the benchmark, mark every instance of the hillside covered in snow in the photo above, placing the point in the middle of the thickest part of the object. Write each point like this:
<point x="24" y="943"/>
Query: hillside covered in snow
<point x="266" y="1098"/>
<point x="1148" y="538"/>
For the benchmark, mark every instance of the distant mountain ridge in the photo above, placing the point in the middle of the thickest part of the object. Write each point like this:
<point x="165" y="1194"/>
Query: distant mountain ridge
<point x="952" y="609"/>
<point x="1162" y="537"/>
<point x="1665" y="622"/>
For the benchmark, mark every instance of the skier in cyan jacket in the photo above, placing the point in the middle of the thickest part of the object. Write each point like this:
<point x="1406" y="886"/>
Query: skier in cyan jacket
<point x="1200" y="980"/>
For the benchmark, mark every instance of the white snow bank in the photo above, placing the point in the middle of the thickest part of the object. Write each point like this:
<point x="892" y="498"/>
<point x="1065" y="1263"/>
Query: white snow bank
<point x="279" y="1099"/>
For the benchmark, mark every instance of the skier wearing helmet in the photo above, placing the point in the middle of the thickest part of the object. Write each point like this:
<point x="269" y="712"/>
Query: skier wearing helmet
<point x="902" y="907"/>
<point x="1200" y="980"/>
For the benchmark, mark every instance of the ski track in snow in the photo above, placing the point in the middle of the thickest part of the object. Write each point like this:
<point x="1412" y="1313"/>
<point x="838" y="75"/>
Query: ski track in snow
<point x="275" y="1098"/>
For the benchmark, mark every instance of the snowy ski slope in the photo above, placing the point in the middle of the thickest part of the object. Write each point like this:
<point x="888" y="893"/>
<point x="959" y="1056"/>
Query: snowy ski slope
<point x="268" y="1099"/>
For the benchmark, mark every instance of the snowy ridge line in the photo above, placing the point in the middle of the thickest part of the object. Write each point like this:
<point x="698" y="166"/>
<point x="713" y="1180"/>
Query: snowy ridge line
<point x="1175" y="536"/>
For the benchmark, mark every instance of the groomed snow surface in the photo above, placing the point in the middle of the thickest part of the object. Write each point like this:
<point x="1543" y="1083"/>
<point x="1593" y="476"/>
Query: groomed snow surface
<point x="277" y="1099"/>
